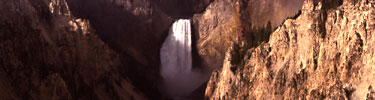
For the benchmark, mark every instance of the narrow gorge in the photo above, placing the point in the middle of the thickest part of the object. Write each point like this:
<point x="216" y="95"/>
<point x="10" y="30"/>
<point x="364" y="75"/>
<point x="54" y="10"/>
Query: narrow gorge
<point x="187" y="49"/>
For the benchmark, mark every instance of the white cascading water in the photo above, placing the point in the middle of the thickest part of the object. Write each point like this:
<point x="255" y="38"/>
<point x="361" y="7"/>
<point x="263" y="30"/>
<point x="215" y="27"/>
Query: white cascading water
<point x="176" y="62"/>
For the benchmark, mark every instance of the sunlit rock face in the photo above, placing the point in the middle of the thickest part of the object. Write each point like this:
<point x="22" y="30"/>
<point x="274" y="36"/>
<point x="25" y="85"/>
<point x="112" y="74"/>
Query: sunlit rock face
<point x="327" y="52"/>
<point x="176" y="62"/>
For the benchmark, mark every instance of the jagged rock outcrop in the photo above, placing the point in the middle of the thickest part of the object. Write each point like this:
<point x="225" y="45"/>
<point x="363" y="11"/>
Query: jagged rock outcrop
<point x="327" y="52"/>
<point x="224" y="20"/>
<point x="221" y="24"/>
<point x="46" y="53"/>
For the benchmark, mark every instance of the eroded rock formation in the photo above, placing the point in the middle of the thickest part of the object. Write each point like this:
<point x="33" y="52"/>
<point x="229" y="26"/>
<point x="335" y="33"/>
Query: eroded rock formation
<point x="327" y="52"/>
<point x="97" y="49"/>
<point x="47" y="54"/>
<point x="215" y="29"/>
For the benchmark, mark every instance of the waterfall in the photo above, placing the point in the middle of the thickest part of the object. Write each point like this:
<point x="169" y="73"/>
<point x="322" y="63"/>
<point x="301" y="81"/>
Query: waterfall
<point x="176" y="50"/>
<point x="176" y="62"/>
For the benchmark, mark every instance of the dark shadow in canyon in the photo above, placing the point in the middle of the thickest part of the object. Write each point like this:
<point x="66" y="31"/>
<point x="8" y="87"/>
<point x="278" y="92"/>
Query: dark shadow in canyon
<point x="179" y="9"/>
<point x="137" y="38"/>
<point x="136" y="30"/>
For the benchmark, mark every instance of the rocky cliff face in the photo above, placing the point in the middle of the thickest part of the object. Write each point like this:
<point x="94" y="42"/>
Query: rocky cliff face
<point x="227" y="21"/>
<point x="325" y="53"/>
<point x="46" y="53"/>
<point x="224" y="21"/>
<point x="96" y="49"/>
<point x="214" y="30"/>
<point x="59" y="43"/>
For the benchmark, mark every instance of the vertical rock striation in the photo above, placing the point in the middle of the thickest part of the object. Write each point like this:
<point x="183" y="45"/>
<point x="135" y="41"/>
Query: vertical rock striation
<point x="327" y="52"/>
<point x="215" y="29"/>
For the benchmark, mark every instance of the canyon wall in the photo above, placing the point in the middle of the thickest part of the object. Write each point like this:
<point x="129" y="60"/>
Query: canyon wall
<point x="110" y="49"/>
<point x="47" y="53"/>
<point x="326" y="52"/>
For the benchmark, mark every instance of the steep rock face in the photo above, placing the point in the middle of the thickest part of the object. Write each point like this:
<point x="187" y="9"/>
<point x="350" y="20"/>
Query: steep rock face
<point x="259" y="18"/>
<point x="46" y="53"/>
<point x="325" y="53"/>
<point x="222" y="23"/>
<point x="214" y="30"/>
<point x="225" y="20"/>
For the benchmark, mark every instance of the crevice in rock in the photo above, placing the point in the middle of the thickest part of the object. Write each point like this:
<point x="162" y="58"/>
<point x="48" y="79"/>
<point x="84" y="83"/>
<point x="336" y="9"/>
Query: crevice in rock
<point x="331" y="4"/>
<point x="315" y="63"/>
<point x="322" y="24"/>
<point x="326" y="6"/>
<point x="349" y="92"/>
<point x="197" y="60"/>
<point x="360" y="41"/>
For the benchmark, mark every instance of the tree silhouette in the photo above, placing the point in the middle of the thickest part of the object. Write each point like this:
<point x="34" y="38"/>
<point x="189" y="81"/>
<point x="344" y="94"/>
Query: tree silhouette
<point x="269" y="30"/>
<point x="254" y="35"/>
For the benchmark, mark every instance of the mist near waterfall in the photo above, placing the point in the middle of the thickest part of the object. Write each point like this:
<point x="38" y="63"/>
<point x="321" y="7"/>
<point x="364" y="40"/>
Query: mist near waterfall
<point x="179" y="79"/>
